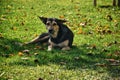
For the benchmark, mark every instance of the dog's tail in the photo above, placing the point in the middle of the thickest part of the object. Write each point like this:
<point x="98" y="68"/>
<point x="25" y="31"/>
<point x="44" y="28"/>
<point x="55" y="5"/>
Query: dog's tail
<point x="43" y="38"/>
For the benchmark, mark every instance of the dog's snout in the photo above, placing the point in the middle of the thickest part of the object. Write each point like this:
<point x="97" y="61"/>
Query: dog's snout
<point x="50" y="30"/>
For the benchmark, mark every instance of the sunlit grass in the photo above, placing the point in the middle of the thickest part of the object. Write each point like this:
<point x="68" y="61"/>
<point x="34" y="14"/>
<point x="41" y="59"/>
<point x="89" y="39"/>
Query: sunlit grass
<point x="97" y="38"/>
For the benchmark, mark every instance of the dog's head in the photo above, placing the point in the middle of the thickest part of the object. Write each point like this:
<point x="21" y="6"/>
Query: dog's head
<point x="52" y="25"/>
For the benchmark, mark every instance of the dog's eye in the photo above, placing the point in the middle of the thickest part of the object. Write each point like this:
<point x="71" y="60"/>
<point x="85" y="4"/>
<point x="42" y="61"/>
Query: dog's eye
<point x="54" y="24"/>
<point x="48" y="24"/>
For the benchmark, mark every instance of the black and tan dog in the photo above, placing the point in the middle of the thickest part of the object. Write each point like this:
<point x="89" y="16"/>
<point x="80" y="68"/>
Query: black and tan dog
<point x="58" y="35"/>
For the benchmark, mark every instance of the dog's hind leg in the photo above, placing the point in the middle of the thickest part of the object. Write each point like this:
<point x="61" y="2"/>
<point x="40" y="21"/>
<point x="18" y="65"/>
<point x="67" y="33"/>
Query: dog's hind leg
<point x="40" y="39"/>
<point x="64" y="45"/>
<point x="35" y="40"/>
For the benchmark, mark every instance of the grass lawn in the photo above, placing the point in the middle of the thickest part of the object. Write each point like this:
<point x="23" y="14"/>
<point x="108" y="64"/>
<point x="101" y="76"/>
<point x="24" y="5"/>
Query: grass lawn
<point x="95" y="54"/>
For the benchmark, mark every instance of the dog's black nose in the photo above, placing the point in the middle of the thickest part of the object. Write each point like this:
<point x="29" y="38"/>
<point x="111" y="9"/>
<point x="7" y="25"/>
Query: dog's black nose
<point x="50" y="30"/>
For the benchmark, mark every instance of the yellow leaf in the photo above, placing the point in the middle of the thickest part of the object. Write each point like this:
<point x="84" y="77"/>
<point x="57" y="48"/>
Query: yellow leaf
<point x="14" y="28"/>
<point x="62" y="16"/>
<point x="35" y="35"/>
<point x="115" y="21"/>
<point x="20" y="54"/>
<point x="76" y="7"/>
<point x="80" y="31"/>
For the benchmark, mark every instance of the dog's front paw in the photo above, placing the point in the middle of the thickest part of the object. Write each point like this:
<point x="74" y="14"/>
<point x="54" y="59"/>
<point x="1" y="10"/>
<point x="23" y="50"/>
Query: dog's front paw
<point x="49" y="48"/>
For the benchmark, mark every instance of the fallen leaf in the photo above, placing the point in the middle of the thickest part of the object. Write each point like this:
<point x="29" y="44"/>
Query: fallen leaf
<point x="76" y="7"/>
<point x="105" y="44"/>
<point x="83" y="24"/>
<point x="109" y="17"/>
<point x="109" y="31"/>
<point x="62" y="16"/>
<point x="40" y="79"/>
<point x="26" y="51"/>
<point x="20" y="54"/>
<point x="62" y="63"/>
<point x="22" y="23"/>
<point x="25" y="58"/>
<point x="80" y="31"/>
<point x="14" y="28"/>
<point x="101" y="65"/>
<point x="3" y="17"/>
<point x="2" y="74"/>
<point x="116" y="24"/>
<point x="76" y="58"/>
<point x="38" y="46"/>
<point x="93" y="46"/>
<point x="111" y="60"/>
<point x="104" y="50"/>
<point x="90" y="32"/>
<point x="110" y="44"/>
<point x="114" y="64"/>
<point x="35" y="35"/>
<point x="35" y="54"/>
<point x="115" y="21"/>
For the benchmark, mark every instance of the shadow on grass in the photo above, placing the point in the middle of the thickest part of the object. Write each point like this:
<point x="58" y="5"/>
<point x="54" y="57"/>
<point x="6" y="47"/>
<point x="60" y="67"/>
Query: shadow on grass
<point x="106" y="6"/>
<point x="8" y="46"/>
<point x="79" y="57"/>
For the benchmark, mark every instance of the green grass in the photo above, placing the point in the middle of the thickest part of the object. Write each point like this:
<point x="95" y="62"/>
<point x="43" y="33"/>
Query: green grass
<point x="94" y="42"/>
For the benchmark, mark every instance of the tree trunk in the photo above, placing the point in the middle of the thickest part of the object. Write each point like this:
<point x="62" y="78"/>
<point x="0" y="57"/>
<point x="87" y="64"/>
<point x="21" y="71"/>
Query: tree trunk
<point x="119" y="3"/>
<point x="114" y="2"/>
<point x="95" y="3"/>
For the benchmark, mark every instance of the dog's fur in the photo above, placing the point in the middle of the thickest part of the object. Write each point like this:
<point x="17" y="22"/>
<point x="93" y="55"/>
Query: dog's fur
<point x="58" y="35"/>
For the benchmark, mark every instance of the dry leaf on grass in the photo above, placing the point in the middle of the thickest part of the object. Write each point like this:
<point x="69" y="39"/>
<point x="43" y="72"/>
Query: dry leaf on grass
<point x="62" y="63"/>
<point x="26" y="51"/>
<point x="20" y="53"/>
<point x="101" y="65"/>
<point x="25" y="58"/>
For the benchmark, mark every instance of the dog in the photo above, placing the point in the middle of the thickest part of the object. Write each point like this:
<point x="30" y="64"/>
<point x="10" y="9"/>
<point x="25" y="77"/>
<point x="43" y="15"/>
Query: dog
<point x="58" y="35"/>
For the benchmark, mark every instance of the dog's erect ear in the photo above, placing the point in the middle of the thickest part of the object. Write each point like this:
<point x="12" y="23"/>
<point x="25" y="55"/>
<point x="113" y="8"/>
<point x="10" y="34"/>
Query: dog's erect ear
<point x="43" y="19"/>
<point x="61" y="21"/>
